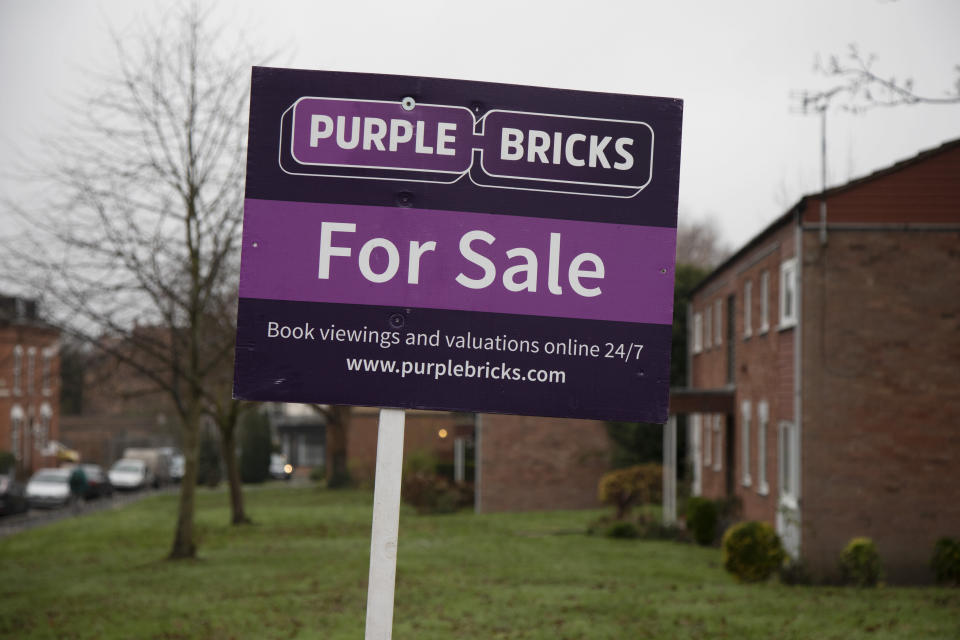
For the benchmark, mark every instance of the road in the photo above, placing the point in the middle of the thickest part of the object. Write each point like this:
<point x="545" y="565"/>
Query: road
<point x="39" y="517"/>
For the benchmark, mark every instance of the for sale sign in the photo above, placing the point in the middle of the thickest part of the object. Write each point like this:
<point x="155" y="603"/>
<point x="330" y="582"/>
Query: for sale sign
<point x="425" y="243"/>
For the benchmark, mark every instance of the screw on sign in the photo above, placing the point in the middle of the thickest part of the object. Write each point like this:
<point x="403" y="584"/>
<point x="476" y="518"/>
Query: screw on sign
<point x="407" y="246"/>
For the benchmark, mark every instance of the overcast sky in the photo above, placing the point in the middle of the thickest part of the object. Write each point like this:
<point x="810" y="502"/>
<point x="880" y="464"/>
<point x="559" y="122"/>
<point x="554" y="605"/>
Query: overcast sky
<point x="746" y="157"/>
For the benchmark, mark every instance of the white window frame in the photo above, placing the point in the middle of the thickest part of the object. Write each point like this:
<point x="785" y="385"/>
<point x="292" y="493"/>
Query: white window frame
<point x="787" y="463"/>
<point x="788" y="284"/>
<point x="697" y="333"/>
<point x="764" y="302"/>
<point x="745" y="477"/>
<point x="718" y="322"/>
<point x="717" y="443"/>
<point x="31" y="369"/>
<point x="763" y="418"/>
<point x="747" y="303"/>
<point x="46" y="369"/>
<point x="16" y="428"/>
<point x="707" y="328"/>
<point x="17" y="369"/>
<point x="707" y="442"/>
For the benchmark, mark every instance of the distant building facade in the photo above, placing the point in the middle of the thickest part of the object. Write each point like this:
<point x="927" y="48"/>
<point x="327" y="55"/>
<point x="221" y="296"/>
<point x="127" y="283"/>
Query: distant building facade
<point x="29" y="384"/>
<point x="830" y="347"/>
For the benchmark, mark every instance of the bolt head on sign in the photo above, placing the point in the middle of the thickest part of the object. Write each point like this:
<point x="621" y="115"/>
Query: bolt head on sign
<point x="443" y="244"/>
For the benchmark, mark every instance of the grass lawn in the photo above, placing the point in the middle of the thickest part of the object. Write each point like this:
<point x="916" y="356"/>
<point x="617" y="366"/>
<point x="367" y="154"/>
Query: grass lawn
<point x="301" y="572"/>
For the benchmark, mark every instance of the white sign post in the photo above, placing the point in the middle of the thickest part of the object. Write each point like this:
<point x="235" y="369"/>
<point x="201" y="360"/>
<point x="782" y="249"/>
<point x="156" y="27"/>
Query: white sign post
<point x="386" y="525"/>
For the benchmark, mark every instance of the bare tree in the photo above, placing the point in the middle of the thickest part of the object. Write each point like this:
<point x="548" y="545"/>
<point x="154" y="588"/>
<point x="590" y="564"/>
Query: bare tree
<point x="337" y="418"/>
<point x="858" y="86"/>
<point x="135" y="247"/>
<point x="699" y="243"/>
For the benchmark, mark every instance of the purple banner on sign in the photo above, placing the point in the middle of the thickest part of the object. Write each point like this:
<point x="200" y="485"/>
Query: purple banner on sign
<point x="382" y="135"/>
<point x="567" y="149"/>
<point x="431" y="259"/>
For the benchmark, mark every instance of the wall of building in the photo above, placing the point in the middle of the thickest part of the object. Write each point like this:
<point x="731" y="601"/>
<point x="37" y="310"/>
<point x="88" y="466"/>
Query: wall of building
<point x="529" y="463"/>
<point x="763" y="373"/>
<point x="881" y="356"/>
<point x="31" y="396"/>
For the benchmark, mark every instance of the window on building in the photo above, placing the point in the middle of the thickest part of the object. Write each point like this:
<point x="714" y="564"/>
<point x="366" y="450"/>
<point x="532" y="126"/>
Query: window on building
<point x="16" y="430"/>
<point x="31" y="368"/>
<point x="763" y="417"/>
<point x="788" y="293"/>
<point x="697" y="333"/>
<point x="17" y="369"/>
<point x="747" y="303"/>
<point x="717" y="322"/>
<point x="707" y="327"/>
<point x="693" y="430"/>
<point x="764" y="302"/>
<point x="788" y="461"/>
<point x="717" y="443"/>
<point x="745" y="443"/>
<point x="707" y="442"/>
<point x="45" y="371"/>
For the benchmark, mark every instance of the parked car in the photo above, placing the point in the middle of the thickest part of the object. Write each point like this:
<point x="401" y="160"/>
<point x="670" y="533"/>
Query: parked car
<point x="49" y="488"/>
<point x="98" y="484"/>
<point x="130" y="474"/>
<point x="157" y="461"/>
<point x="13" y="498"/>
<point x="177" y="463"/>
<point x="279" y="467"/>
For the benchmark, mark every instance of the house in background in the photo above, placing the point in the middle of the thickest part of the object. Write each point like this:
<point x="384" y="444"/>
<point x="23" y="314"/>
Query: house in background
<point x="29" y="384"/>
<point x="830" y="347"/>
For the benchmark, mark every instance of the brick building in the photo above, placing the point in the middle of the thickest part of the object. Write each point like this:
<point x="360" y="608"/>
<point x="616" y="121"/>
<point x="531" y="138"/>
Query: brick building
<point x="29" y="384"/>
<point x="829" y="347"/>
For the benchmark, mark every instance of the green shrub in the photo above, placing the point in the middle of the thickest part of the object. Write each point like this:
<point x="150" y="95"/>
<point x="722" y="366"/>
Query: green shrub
<point x="702" y="519"/>
<point x="860" y="563"/>
<point x="7" y="461"/>
<point x="318" y="473"/>
<point x="429" y="493"/>
<point x="752" y="551"/>
<point x="419" y="462"/>
<point x="623" y="488"/>
<point x="795" y="572"/>
<point x="209" y="472"/>
<point x="946" y="561"/>
<point x="622" y="529"/>
<point x="255" y="447"/>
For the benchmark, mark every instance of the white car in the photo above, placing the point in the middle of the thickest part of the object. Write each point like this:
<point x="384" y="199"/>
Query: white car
<point x="49" y="488"/>
<point x="129" y="473"/>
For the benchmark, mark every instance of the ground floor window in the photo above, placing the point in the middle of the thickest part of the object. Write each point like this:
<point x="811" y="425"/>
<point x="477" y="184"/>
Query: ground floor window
<point x="788" y="460"/>
<point x="763" y="416"/>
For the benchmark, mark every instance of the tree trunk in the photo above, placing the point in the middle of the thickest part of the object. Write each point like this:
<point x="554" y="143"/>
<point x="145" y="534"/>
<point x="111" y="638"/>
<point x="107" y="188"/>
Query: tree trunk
<point x="337" y="424"/>
<point x="184" y="545"/>
<point x="228" y="440"/>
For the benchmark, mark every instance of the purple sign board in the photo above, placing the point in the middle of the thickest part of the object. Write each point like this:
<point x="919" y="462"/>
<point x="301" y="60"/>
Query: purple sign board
<point x="440" y="244"/>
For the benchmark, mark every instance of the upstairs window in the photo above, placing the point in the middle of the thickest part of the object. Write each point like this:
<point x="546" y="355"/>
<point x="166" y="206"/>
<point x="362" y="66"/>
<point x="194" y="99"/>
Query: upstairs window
<point x="717" y="322"/>
<point x="697" y="333"/>
<point x="788" y="293"/>
<point x="764" y="302"/>
<point x="707" y="330"/>
<point x="747" y="303"/>
<point x="17" y="369"/>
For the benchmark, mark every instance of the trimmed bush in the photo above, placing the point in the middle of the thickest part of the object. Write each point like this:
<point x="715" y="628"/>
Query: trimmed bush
<point x="623" y="488"/>
<point x="622" y="529"/>
<point x="429" y="493"/>
<point x="256" y="445"/>
<point x="860" y="563"/>
<point x="702" y="519"/>
<point x="946" y="561"/>
<point x="209" y="472"/>
<point x="752" y="551"/>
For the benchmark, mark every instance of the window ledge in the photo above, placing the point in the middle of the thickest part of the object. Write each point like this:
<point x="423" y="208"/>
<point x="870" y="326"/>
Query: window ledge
<point x="747" y="482"/>
<point x="763" y="330"/>
<point x="763" y="489"/>
<point x="788" y="325"/>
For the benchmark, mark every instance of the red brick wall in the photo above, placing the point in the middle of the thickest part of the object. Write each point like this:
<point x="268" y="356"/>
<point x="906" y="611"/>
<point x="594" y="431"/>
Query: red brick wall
<point x="421" y="434"/>
<point x="763" y="372"/>
<point x="541" y="463"/>
<point x="881" y="428"/>
<point x="31" y="396"/>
